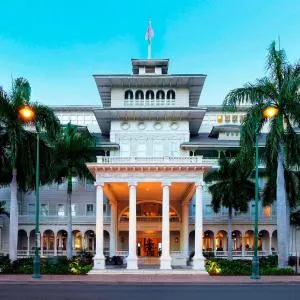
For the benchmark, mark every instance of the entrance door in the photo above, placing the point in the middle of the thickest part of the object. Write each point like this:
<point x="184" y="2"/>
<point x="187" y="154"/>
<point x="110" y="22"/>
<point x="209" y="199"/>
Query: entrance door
<point x="149" y="246"/>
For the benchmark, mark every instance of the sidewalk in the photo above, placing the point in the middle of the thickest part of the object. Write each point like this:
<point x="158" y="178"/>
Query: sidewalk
<point x="147" y="279"/>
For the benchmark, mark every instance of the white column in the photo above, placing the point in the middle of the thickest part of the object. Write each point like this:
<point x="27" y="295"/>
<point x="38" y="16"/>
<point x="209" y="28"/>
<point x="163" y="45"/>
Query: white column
<point x="42" y="242"/>
<point x="198" y="261"/>
<point x="99" y="259"/>
<point x="28" y="243"/>
<point x="113" y="228"/>
<point x="243" y="244"/>
<point x="165" y="260"/>
<point x="132" y="258"/>
<point x="270" y="243"/>
<point x="55" y="244"/>
<point x="185" y="229"/>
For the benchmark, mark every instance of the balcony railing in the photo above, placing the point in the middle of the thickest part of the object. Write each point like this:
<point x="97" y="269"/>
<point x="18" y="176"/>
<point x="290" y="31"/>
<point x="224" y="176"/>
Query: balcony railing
<point x="77" y="219"/>
<point x="148" y="219"/>
<point x="224" y="217"/>
<point x="149" y="160"/>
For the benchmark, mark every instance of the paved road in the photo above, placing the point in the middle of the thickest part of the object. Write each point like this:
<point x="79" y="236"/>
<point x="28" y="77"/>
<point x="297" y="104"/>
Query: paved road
<point x="91" y="291"/>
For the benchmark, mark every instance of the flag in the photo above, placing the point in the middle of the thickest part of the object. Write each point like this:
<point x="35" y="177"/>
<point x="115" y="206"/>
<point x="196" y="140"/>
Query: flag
<point x="149" y="33"/>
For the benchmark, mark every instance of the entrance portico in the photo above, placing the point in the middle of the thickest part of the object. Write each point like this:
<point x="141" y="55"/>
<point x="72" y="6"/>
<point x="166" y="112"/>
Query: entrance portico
<point x="165" y="179"/>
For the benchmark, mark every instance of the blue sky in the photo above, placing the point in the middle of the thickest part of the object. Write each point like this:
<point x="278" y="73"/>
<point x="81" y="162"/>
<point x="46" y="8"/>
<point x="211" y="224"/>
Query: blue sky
<point x="58" y="45"/>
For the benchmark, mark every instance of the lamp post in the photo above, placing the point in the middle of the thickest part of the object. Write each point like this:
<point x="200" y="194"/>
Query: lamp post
<point x="27" y="114"/>
<point x="268" y="112"/>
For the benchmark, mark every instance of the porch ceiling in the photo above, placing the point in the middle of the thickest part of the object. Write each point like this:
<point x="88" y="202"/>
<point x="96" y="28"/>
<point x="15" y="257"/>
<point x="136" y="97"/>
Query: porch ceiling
<point x="151" y="191"/>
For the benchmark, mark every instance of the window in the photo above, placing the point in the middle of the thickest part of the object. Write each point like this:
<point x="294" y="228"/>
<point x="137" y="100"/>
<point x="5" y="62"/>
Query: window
<point x="242" y="118"/>
<point x="208" y="210"/>
<point x="61" y="210"/>
<point x="149" y="95"/>
<point x="219" y="118"/>
<point x="90" y="209"/>
<point x="170" y="94"/>
<point x="158" y="150"/>
<point x="267" y="211"/>
<point x="174" y="149"/>
<point x="74" y="209"/>
<point x="227" y="118"/>
<point x="31" y="208"/>
<point x="139" y="94"/>
<point x="44" y="209"/>
<point x="234" y="119"/>
<point x="149" y="69"/>
<point x="141" y="150"/>
<point x="125" y="150"/>
<point x="129" y="94"/>
<point x="160" y="94"/>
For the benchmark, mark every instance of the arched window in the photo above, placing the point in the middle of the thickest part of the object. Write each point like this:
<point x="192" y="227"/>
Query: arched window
<point x="139" y="94"/>
<point x="129" y="94"/>
<point x="170" y="94"/>
<point x="150" y="95"/>
<point x="160" y="94"/>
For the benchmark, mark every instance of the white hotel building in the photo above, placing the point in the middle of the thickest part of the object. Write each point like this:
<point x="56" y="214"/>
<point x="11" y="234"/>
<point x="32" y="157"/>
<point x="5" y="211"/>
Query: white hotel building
<point x="148" y="202"/>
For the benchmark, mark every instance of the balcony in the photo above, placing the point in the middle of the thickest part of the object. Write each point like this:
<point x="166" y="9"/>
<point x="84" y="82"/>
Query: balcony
<point x="220" y="218"/>
<point x="149" y="219"/>
<point x="55" y="219"/>
<point x="105" y="160"/>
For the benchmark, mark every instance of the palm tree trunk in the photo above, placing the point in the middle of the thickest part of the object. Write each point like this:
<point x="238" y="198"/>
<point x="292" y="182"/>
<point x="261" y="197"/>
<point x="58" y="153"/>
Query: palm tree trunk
<point x="69" y="226"/>
<point x="282" y="213"/>
<point x="13" y="221"/>
<point x="229" y="246"/>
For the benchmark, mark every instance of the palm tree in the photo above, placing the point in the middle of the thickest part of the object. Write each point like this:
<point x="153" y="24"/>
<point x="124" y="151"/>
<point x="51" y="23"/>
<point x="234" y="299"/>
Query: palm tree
<point x="20" y="148"/>
<point x="73" y="148"/>
<point x="230" y="188"/>
<point x="280" y="89"/>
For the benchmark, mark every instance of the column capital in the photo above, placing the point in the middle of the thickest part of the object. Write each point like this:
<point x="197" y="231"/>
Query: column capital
<point x="132" y="183"/>
<point x="185" y="203"/>
<point x="166" y="183"/>
<point x="199" y="184"/>
<point x="99" y="184"/>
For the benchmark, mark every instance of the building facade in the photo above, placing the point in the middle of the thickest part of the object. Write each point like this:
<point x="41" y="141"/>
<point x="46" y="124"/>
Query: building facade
<point x="149" y="204"/>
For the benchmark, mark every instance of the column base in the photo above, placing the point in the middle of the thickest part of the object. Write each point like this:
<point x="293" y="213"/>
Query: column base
<point x="165" y="263"/>
<point x="199" y="263"/>
<point x="132" y="263"/>
<point x="99" y="263"/>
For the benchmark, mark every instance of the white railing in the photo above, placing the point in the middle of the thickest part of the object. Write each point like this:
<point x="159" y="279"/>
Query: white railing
<point x="174" y="253"/>
<point x="122" y="253"/>
<point x="149" y="160"/>
<point x="149" y="219"/>
<point x="239" y="253"/>
<point x="79" y="219"/>
<point x="224" y="217"/>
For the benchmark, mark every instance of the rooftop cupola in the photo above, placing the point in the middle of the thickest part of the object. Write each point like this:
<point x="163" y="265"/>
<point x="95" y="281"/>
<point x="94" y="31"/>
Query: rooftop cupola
<point x="150" y="66"/>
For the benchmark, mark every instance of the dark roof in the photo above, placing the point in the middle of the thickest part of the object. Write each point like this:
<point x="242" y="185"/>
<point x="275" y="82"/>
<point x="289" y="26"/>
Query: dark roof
<point x="203" y="141"/>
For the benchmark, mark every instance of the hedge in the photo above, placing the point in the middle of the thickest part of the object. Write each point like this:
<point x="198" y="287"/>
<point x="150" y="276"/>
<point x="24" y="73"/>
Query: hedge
<point x="225" y="267"/>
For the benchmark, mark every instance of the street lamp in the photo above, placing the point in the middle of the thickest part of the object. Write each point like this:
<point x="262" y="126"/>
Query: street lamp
<point x="27" y="114"/>
<point x="268" y="112"/>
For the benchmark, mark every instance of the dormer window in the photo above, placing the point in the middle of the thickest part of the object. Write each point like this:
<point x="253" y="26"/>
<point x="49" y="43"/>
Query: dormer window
<point x="150" y="69"/>
<point x="128" y="94"/>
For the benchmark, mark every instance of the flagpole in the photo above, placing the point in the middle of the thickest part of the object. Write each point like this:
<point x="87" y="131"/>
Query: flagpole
<point x="149" y="49"/>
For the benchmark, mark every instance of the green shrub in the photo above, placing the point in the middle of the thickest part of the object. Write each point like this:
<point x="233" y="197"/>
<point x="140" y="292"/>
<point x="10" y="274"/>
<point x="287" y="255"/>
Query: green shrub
<point x="53" y="265"/>
<point x="217" y="266"/>
<point x="277" y="271"/>
<point x="223" y="267"/>
<point x="270" y="261"/>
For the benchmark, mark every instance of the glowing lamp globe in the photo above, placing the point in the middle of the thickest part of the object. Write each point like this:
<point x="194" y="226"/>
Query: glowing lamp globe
<point x="26" y="113"/>
<point x="270" y="112"/>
